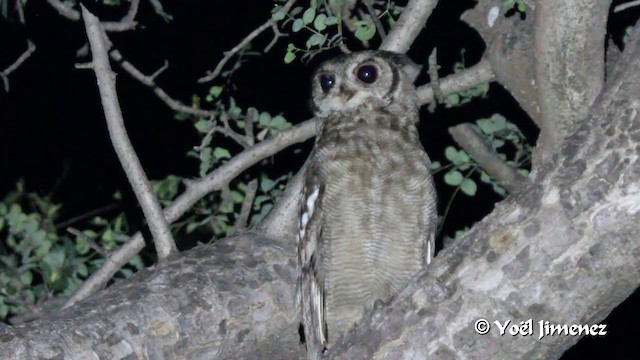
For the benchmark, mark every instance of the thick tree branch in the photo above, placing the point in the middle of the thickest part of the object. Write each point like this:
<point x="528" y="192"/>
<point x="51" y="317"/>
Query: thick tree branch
<point x="569" y="39"/>
<point x="162" y="238"/>
<point x="411" y="22"/>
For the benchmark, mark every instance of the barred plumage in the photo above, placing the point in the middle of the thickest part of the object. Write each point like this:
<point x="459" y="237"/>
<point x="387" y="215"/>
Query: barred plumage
<point x="368" y="214"/>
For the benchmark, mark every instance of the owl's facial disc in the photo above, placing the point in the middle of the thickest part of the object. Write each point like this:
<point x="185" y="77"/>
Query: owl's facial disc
<point x="350" y="89"/>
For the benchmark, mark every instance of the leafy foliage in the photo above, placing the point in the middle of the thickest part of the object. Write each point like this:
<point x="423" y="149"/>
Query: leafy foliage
<point x="39" y="261"/>
<point x="462" y="172"/>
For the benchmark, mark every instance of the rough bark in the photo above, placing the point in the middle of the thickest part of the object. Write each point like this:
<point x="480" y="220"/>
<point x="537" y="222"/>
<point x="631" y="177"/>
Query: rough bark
<point x="212" y="302"/>
<point x="569" y="65"/>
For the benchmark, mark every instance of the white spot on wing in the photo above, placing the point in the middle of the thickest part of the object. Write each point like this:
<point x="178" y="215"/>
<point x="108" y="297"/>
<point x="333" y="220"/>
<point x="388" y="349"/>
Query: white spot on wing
<point x="492" y="16"/>
<point x="311" y="201"/>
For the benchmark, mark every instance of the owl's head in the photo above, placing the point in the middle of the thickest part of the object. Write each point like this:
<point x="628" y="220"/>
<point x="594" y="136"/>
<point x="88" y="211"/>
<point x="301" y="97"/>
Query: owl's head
<point x="374" y="79"/>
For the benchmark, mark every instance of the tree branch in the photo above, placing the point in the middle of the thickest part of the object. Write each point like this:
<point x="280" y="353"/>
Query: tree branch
<point x="473" y="142"/>
<point x="150" y="82"/>
<point x="569" y="37"/>
<point x="242" y="44"/>
<point x="162" y="238"/>
<point x="126" y="23"/>
<point x="413" y="19"/>
<point x="245" y="211"/>
<point x="4" y="74"/>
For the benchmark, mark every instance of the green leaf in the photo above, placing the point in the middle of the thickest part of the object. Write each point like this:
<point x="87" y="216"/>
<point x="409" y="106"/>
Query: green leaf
<point x="469" y="187"/>
<point x="82" y="246"/>
<point x="26" y="278"/>
<point x="297" y="25"/>
<point x="55" y="259"/>
<point x="309" y="15"/>
<point x="320" y="22"/>
<point x="82" y="270"/>
<point x="330" y="20"/>
<point x="289" y="57"/>
<point x="267" y="184"/>
<point x="264" y="120"/>
<point x="296" y="10"/>
<point x="202" y="126"/>
<point x="316" y="40"/>
<point x="484" y="177"/>
<point x="499" y="190"/>
<point x="453" y="178"/>
<point x="235" y="112"/>
<point x="221" y="153"/>
<point x="257" y="202"/>
<point x="215" y="91"/>
<point x="4" y="310"/>
<point x="453" y="99"/>
<point x="280" y="123"/>
<point x="435" y="165"/>
<point x="278" y="15"/>
<point x="366" y="30"/>
<point x="493" y="124"/>
<point x="452" y="154"/>
<point x="237" y="197"/>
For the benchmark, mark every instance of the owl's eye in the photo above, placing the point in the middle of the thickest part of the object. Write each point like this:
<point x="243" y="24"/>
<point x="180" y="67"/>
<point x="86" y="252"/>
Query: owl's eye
<point x="367" y="73"/>
<point x="326" y="82"/>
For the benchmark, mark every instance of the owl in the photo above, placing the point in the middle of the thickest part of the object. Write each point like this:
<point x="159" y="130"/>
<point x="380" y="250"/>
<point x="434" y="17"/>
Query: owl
<point x="368" y="211"/>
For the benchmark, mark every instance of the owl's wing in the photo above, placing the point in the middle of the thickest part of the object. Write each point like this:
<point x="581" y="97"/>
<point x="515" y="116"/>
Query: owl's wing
<point x="310" y="278"/>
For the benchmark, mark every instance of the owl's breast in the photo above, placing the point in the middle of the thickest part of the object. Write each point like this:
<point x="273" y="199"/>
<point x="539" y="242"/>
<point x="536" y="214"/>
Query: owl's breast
<point x="377" y="190"/>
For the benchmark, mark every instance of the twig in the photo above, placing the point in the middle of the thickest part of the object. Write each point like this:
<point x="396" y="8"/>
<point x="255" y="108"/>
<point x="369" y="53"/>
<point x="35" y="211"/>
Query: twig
<point x="433" y="74"/>
<point x="249" y="120"/>
<point x="87" y="215"/>
<point x="480" y="73"/>
<point x="227" y="131"/>
<point x="126" y="23"/>
<point x="162" y="238"/>
<point x="245" y="211"/>
<point x="16" y="64"/>
<point x="242" y="44"/>
<point x="150" y="82"/>
<point x="413" y="18"/>
<point x="626" y="6"/>
<point x="94" y="245"/>
<point x="376" y="20"/>
<point x="474" y="143"/>
<point x="20" y="11"/>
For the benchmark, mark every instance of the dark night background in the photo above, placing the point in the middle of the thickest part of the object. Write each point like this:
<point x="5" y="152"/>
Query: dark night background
<point x="52" y="130"/>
